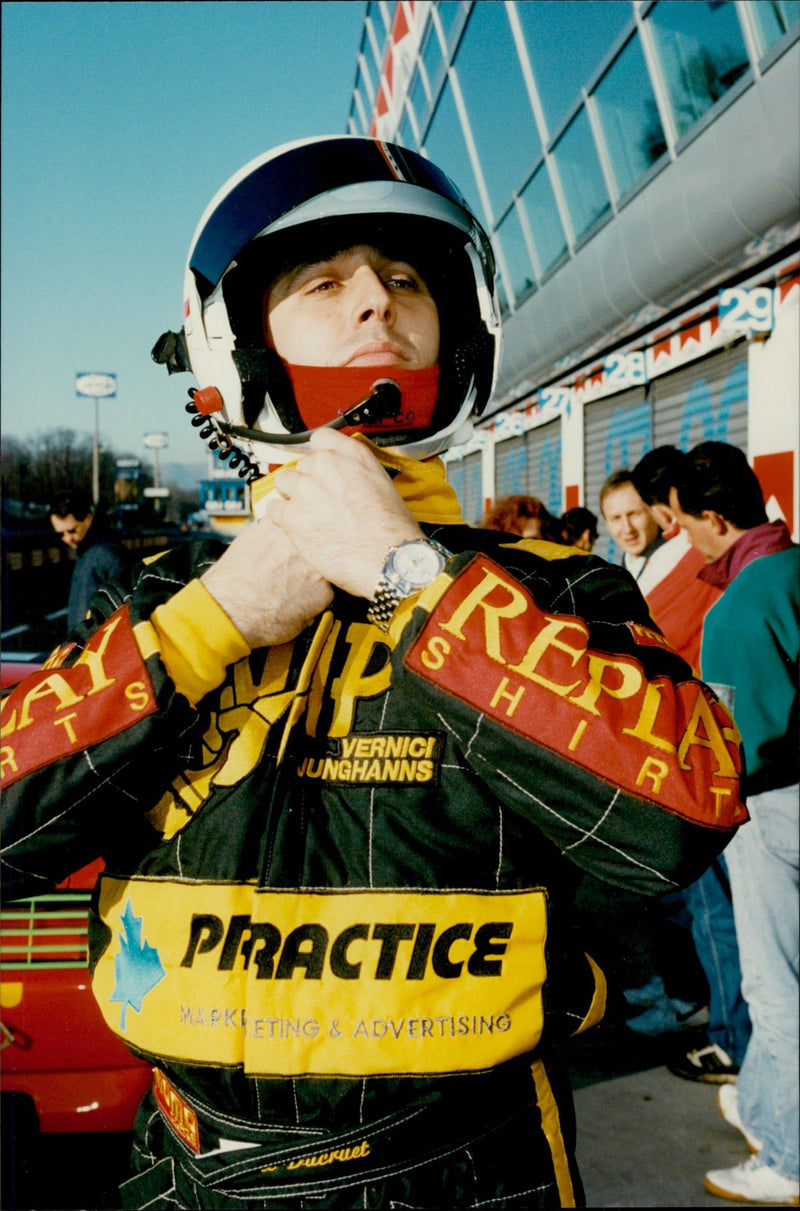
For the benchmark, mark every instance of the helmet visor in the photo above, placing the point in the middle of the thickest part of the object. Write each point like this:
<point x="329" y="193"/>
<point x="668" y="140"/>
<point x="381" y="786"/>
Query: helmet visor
<point x="280" y="185"/>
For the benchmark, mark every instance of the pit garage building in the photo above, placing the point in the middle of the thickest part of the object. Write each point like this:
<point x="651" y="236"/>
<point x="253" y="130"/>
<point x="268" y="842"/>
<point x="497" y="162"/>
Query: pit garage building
<point x="636" y="166"/>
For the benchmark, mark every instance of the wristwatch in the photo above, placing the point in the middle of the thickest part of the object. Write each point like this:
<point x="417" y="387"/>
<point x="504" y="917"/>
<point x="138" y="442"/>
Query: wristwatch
<point x="409" y="567"/>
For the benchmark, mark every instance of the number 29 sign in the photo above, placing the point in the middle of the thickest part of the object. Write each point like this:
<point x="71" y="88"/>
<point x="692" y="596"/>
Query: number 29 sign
<point x="742" y="310"/>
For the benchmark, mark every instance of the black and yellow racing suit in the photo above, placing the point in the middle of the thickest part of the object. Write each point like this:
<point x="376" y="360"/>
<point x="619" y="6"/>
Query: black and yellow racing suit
<point x="335" y="912"/>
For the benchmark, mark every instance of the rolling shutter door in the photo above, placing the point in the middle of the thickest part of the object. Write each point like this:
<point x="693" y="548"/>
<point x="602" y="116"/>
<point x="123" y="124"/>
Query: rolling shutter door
<point x="617" y="432"/>
<point x="466" y="478"/>
<point x="704" y="401"/>
<point x="510" y="474"/>
<point x="530" y="465"/>
<point x="543" y="447"/>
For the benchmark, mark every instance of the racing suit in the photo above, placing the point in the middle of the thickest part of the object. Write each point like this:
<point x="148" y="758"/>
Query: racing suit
<point x="335" y="912"/>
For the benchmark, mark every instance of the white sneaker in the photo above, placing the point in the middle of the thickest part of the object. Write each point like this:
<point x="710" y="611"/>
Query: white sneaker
<point x="728" y="1102"/>
<point x="753" y="1182"/>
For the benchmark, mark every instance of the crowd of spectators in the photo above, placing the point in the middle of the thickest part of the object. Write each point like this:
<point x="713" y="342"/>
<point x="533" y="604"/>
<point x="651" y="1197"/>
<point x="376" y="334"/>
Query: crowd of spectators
<point x="722" y="582"/>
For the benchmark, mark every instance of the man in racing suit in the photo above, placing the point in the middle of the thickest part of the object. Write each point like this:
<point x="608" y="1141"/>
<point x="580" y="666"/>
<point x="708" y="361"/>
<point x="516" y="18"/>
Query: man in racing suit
<point x="342" y="772"/>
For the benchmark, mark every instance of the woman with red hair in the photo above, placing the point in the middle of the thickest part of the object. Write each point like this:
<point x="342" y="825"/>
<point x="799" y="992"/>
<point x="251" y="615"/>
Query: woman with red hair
<point x="525" y="516"/>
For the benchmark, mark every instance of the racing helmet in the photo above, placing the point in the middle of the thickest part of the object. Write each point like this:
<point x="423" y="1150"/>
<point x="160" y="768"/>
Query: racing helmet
<point x="299" y="203"/>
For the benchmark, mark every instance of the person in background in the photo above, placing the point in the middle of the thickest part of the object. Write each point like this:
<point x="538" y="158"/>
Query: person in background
<point x="579" y="528"/>
<point x="344" y="772"/>
<point x="630" y="523"/>
<point x="82" y="527"/>
<point x="674" y="999"/>
<point x="678" y="600"/>
<point x="523" y="515"/>
<point x="750" y="653"/>
<point x="679" y="604"/>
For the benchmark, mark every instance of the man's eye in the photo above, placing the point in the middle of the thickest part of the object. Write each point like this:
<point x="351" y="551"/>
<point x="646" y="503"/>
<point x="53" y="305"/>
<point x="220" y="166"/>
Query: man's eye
<point x="402" y="282"/>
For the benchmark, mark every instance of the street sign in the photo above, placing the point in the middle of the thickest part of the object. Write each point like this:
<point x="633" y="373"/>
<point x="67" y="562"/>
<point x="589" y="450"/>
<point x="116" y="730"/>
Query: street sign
<point x="95" y="385"/>
<point x="155" y="441"/>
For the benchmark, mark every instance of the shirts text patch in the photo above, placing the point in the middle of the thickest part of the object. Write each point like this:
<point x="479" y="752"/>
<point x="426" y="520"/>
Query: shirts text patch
<point x="535" y="672"/>
<point x="107" y="690"/>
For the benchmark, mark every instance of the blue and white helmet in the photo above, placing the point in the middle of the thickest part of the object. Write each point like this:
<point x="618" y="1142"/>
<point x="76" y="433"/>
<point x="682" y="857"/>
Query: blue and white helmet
<point x="309" y="195"/>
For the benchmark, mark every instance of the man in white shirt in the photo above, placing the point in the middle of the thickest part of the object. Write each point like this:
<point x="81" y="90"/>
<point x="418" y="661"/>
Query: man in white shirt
<point x="630" y="523"/>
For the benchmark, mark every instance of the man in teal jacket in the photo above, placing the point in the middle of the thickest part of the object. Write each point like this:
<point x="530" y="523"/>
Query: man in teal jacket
<point x="750" y="656"/>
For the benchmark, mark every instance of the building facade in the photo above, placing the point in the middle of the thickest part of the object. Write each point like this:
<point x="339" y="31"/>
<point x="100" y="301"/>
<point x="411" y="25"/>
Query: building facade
<point x="636" y="166"/>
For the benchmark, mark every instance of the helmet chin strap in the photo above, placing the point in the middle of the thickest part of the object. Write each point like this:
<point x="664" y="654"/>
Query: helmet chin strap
<point x="372" y="399"/>
<point x="383" y="403"/>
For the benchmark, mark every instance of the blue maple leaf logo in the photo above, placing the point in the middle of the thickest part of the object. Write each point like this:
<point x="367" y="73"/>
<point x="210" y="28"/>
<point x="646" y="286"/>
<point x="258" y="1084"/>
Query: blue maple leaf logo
<point x="137" y="967"/>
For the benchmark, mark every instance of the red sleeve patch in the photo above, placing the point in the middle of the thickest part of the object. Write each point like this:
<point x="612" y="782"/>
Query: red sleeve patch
<point x="488" y="644"/>
<point x="60" y="711"/>
<point x="647" y="637"/>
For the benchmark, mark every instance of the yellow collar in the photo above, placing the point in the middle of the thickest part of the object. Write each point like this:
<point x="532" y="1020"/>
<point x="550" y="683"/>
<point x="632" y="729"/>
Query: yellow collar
<point x="422" y="485"/>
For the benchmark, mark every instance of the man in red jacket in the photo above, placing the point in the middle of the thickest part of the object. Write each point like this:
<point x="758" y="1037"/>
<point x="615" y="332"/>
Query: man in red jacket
<point x="682" y="600"/>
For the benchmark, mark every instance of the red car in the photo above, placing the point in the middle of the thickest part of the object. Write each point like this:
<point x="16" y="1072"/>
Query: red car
<point x="57" y="1056"/>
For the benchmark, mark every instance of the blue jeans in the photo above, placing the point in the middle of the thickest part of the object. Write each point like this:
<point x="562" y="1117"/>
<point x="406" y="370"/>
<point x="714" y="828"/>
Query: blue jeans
<point x="763" y="864"/>
<point x="714" y="933"/>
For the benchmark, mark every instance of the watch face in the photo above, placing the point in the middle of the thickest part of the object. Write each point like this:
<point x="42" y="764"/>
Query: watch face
<point x="417" y="563"/>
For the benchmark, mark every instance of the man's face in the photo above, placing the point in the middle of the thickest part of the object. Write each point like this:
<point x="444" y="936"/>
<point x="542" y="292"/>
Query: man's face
<point x="72" y="530"/>
<point x="356" y="309"/>
<point x="702" y="532"/>
<point x="630" y="522"/>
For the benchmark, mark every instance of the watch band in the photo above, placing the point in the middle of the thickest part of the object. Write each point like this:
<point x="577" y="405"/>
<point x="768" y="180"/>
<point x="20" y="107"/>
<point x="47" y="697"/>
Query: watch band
<point x="383" y="605"/>
<point x="390" y="592"/>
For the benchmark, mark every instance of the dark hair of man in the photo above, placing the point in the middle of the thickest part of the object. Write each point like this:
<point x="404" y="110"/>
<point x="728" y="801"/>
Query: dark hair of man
<point x="616" y="480"/>
<point x="575" y="521"/>
<point x="76" y="502"/>
<point x="656" y="472"/>
<point x="717" y="476"/>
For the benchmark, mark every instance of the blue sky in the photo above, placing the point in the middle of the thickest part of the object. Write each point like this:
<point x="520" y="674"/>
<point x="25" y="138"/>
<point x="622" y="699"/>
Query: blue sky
<point x="120" y="122"/>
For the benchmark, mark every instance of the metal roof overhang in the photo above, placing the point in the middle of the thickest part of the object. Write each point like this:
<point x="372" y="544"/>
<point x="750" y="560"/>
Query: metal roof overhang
<point x="729" y="200"/>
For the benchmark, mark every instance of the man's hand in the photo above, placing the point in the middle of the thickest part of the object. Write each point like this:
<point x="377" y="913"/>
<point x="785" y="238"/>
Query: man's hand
<point x="265" y="586"/>
<point x="342" y="512"/>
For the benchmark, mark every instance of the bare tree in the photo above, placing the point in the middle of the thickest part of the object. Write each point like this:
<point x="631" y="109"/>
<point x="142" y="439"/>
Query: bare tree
<point x="36" y="471"/>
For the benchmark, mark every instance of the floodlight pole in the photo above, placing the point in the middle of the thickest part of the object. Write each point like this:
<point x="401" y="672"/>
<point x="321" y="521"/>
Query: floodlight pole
<point x="95" y="386"/>
<point x="96" y="453"/>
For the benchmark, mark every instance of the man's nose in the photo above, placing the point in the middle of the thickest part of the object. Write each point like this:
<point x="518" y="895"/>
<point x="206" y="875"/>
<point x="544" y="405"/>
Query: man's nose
<point x="371" y="299"/>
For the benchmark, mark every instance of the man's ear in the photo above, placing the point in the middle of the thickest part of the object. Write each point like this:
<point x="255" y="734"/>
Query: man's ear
<point x="718" y="523"/>
<point x="664" y="517"/>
